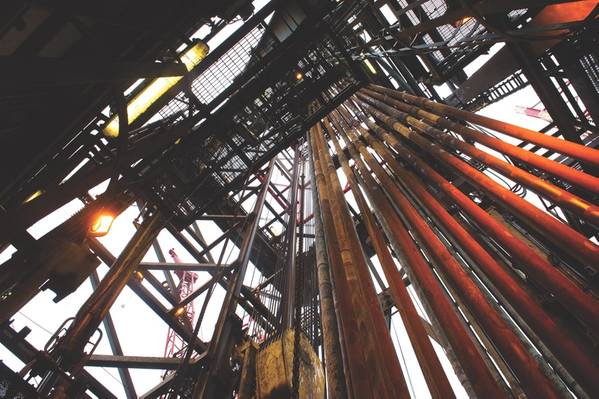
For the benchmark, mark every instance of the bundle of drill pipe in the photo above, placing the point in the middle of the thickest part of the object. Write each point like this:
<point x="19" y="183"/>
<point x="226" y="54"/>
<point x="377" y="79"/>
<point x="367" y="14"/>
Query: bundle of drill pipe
<point x="487" y="311"/>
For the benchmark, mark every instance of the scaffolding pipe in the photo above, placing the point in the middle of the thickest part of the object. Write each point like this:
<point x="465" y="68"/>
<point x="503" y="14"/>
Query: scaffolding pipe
<point x="479" y="376"/>
<point x="533" y="381"/>
<point x="581" y="304"/>
<point x="378" y="349"/>
<point x="578" y="151"/>
<point x="571" y="175"/>
<point x="561" y="197"/>
<point x="579" y="363"/>
<point x="333" y="360"/>
<point x="561" y="235"/>
<point x="437" y="381"/>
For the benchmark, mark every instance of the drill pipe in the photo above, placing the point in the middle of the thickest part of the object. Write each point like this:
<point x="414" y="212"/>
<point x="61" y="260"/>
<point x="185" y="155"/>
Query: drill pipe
<point x="436" y="379"/>
<point x="533" y="381"/>
<point x="563" y="198"/>
<point x="571" y="175"/>
<point x="581" y="304"/>
<point x="333" y="359"/>
<point x="378" y="347"/>
<point x="565" y="147"/>
<point x="356" y="373"/>
<point x="578" y="362"/>
<point x="561" y="235"/>
<point x="460" y="340"/>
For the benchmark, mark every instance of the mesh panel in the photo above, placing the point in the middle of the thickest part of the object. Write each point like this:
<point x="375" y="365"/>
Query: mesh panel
<point x="221" y="74"/>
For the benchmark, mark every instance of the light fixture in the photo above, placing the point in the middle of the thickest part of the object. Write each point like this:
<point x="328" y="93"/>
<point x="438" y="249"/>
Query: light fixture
<point x="299" y="75"/>
<point x="139" y="275"/>
<point x="101" y="224"/>
<point x="33" y="196"/>
<point x="179" y="311"/>
<point x="148" y="96"/>
<point x="370" y="66"/>
<point x="461" y="22"/>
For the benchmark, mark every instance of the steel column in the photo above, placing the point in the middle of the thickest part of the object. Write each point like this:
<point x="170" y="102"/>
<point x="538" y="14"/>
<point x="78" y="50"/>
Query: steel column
<point x="167" y="275"/>
<point x="544" y="88"/>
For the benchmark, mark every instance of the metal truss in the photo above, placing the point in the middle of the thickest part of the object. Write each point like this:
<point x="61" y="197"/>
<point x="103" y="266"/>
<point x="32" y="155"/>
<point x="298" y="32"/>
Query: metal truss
<point x="222" y="138"/>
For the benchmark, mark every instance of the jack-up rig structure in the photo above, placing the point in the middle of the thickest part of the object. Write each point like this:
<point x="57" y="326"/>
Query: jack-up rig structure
<point x="355" y="221"/>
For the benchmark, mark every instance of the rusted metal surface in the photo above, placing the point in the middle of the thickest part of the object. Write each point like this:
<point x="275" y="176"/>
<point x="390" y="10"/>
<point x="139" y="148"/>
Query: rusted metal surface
<point x="561" y="235"/>
<point x="580" y="303"/>
<point x="580" y="363"/>
<point x="354" y="365"/>
<point x="589" y="155"/>
<point x="527" y="369"/>
<point x="467" y="353"/>
<point x="585" y="209"/>
<point x="274" y="369"/>
<point x="333" y="358"/>
<point x="384" y="371"/>
<point x="436" y="379"/>
<point x="247" y="380"/>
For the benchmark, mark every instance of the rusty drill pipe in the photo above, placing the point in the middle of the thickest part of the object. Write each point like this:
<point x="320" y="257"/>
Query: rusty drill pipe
<point x="363" y="372"/>
<point x="561" y="235"/>
<point x="571" y="175"/>
<point x="389" y="232"/>
<point x="356" y="374"/>
<point x="379" y="351"/>
<point x="389" y="361"/>
<point x="436" y="379"/>
<point x="362" y="360"/>
<point x="333" y="354"/>
<point x="461" y="342"/>
<point x="579" y="363"/>
<point x="583" y="305"/>
<point x="533" y="381"/>
<point x="565" y="147"/>
<point x="563" y="198"/>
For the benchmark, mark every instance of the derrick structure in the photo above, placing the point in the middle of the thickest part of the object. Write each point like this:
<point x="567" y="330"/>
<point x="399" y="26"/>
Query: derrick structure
<point x="353" y="211"/>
